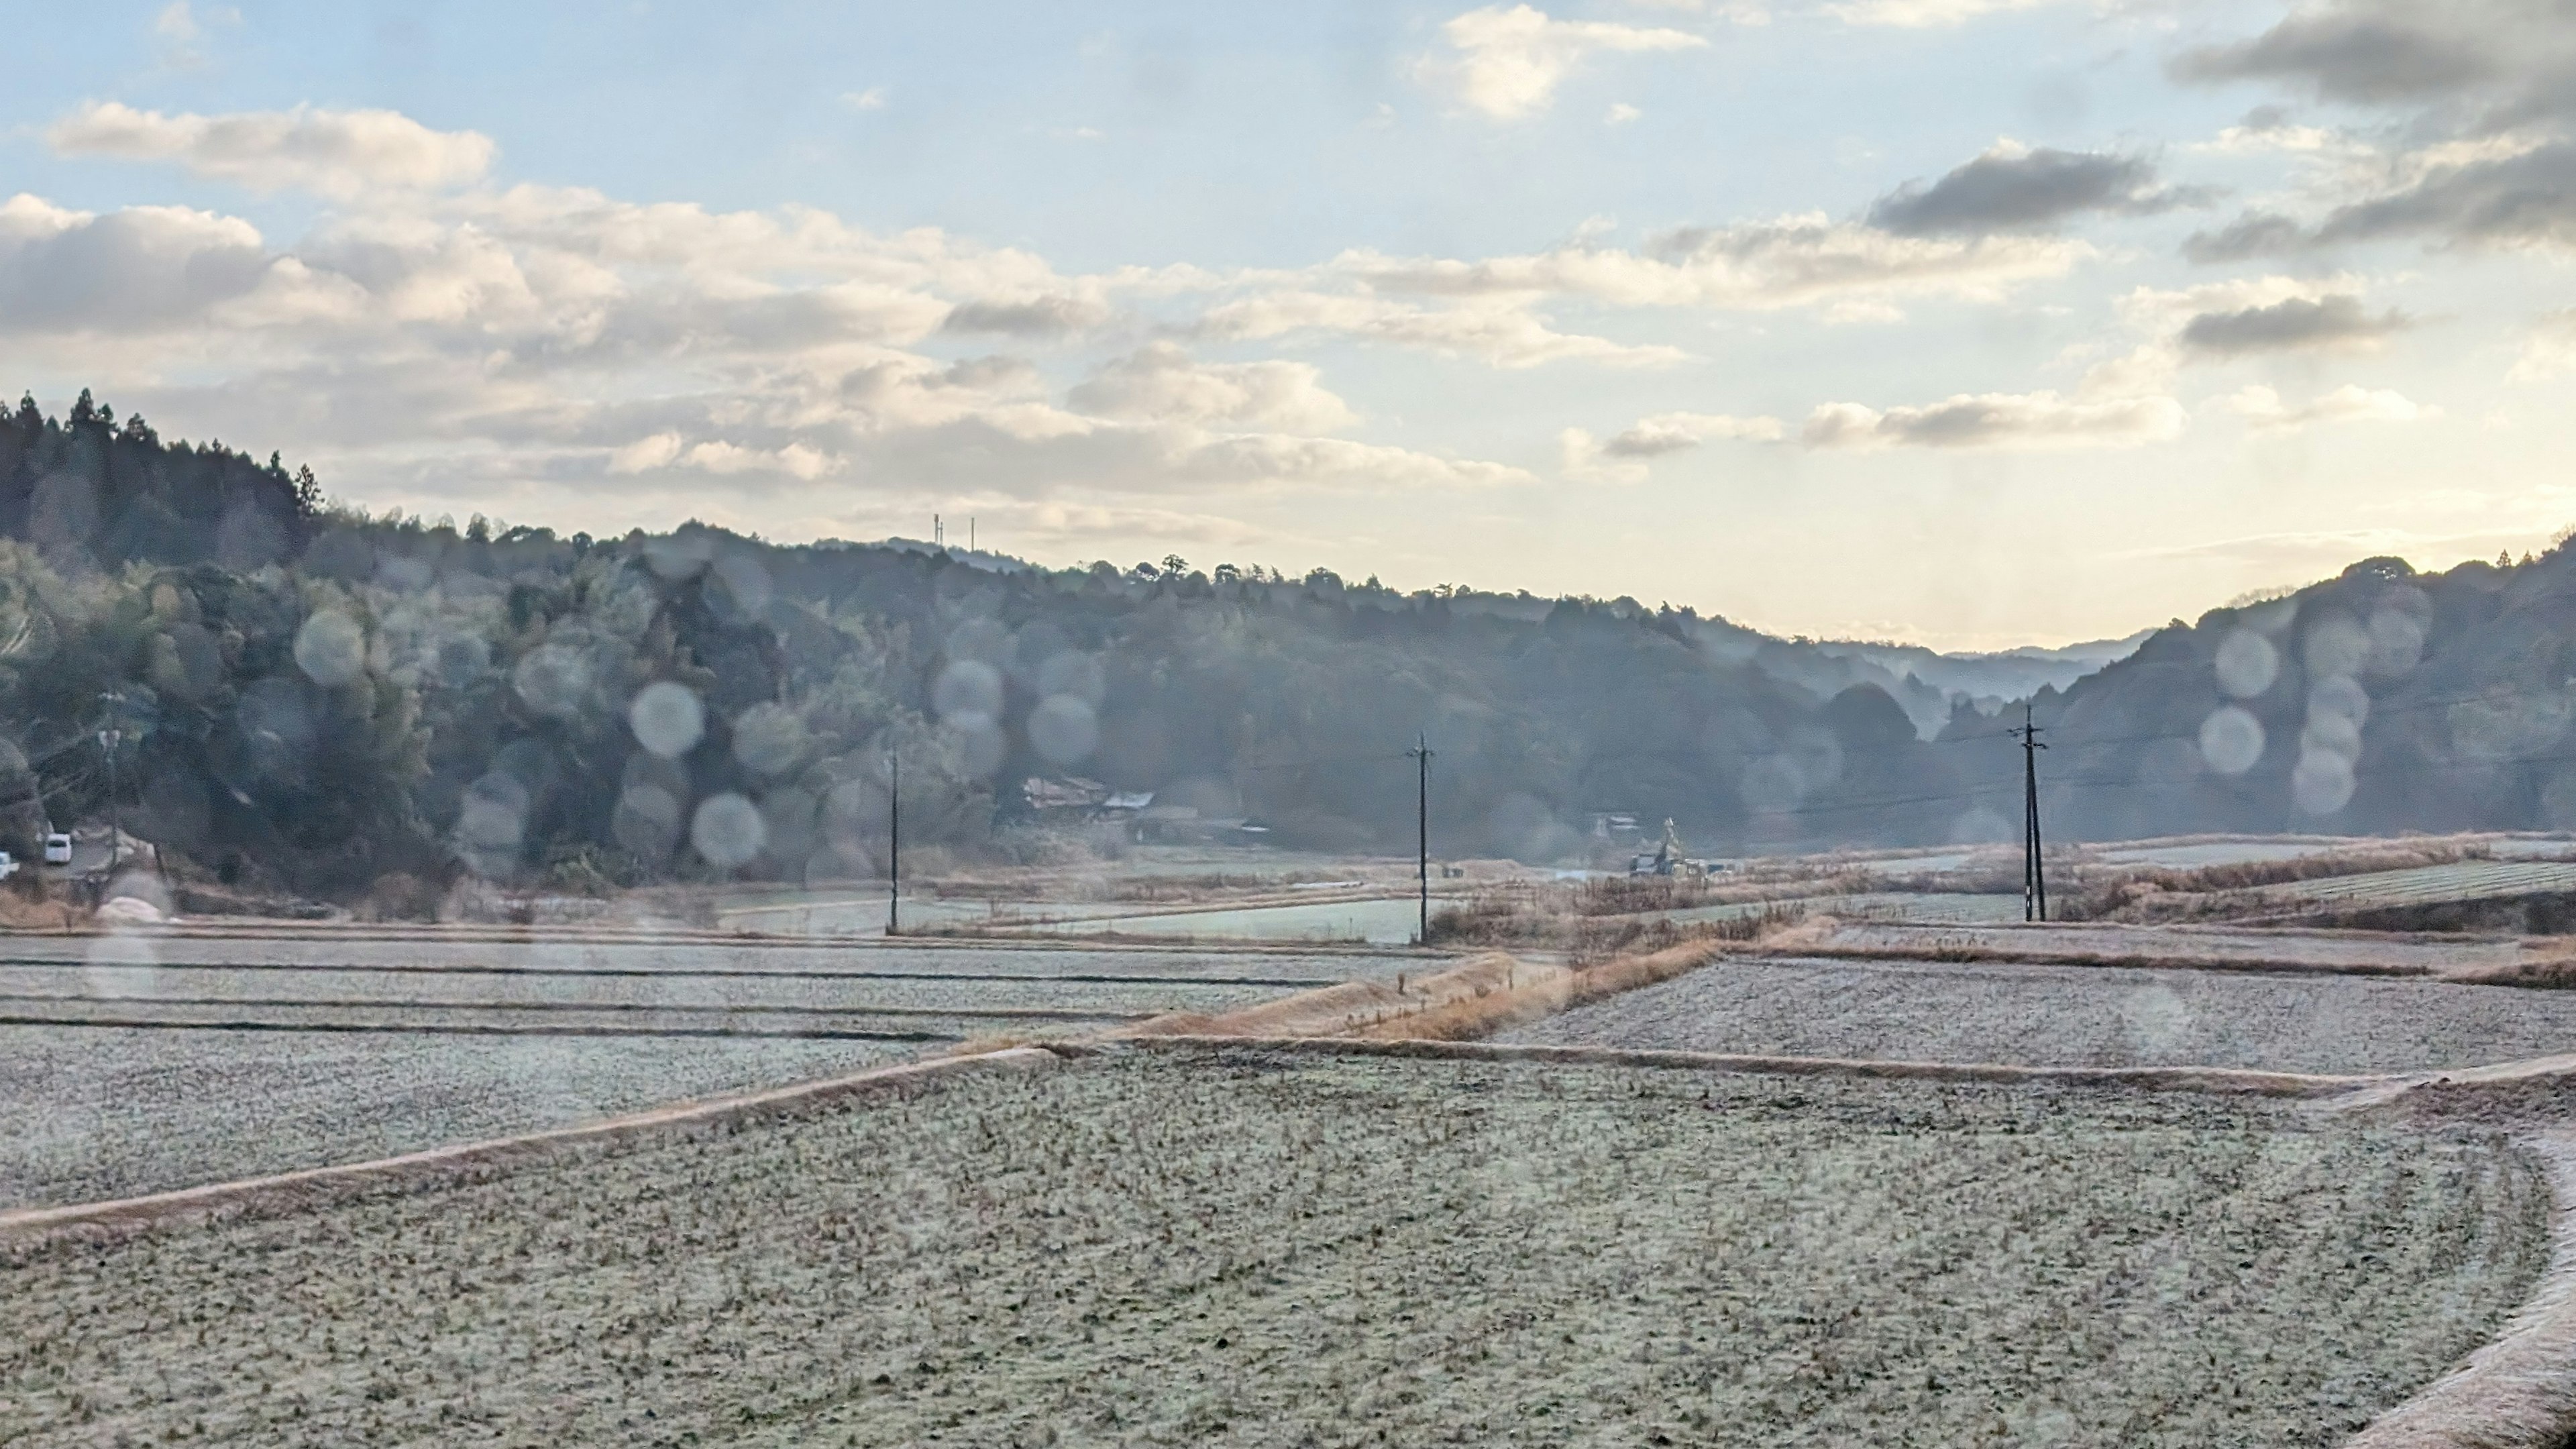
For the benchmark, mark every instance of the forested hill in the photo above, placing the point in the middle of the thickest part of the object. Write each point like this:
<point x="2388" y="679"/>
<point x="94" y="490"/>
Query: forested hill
<point x="2381" y="700"/>
<point x="313" y="698"/>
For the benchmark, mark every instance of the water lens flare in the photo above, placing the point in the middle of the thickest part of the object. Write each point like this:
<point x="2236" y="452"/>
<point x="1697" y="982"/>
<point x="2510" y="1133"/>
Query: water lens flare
<point x="1064" y="729"/>
<point x="667" y="718"/>
<point x="331" y="648"/>
<point x="728" y="831"/>
<point x="2231" y="740"/>
<point x="968" y="687"/>
<point x="2247" y="663"/>
<point x="2323" y="783"/>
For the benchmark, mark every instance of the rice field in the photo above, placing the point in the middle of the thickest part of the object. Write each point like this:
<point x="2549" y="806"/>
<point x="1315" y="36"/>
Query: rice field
<point x="2466" y="880"/>
<point x="2038" y="1015"/>
<point x="1158" y="1248"/>
<point x="142" y="1063"/>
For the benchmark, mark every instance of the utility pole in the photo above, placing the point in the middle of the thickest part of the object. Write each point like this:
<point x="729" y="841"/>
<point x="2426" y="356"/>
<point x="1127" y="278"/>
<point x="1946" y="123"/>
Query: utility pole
<point x="1421" y="753"/>
<point x="108" y="739"/>
<point x="2034" y="872"/>
<point x="894" y="840"/>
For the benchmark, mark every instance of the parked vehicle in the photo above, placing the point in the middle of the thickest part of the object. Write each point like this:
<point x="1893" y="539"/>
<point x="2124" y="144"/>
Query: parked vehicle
<point x="58" y="849"/>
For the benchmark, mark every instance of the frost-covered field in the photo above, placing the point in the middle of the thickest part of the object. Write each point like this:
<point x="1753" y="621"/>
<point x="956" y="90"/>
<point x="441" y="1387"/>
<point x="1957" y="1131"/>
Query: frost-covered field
<point x="2074" y="1016"/>
<point x="92" y="1113"/>
<point x="486" y="1036"/>
<point x="2221" y="945"/>
<point x="1156" y="1249"/>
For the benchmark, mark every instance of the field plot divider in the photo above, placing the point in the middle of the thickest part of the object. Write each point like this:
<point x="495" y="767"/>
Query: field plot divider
<point x="311" y="1187"/>
<point x="2171" y="1079"/>
<point x="711" y="973"/>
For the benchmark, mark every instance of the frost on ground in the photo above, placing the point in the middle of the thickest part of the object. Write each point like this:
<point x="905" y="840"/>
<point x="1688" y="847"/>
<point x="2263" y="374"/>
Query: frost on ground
<point x="1247" y="1249"/>
<point x="89" y="1113"/>
<point x="2074" y="1016"/>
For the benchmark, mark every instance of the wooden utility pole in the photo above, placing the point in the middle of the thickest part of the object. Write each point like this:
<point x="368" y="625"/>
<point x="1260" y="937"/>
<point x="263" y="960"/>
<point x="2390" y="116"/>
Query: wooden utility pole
<point x="894" y="840"/>
<point x="1421" y="753"/>
<point x="2034" y="871"/>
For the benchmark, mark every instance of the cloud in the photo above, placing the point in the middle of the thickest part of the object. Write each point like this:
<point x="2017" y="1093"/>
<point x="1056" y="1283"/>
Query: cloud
<point x="1661" y="433"/>
<point x="1620" y="114"/>
<point x="2262" y="408"/>
<point x="1161" y="382"/>
<point x="2490" y="83"/>
<point x="1753" y="266"/>
<point x="2550" y="351"/>
<point x="179" y="31"/>
<point x="2526" y="198"/>
<point x="660" y="450"/>
<point x="2372" y="54"/>
<point x="2014" y="189"/>
<point x="145" y="269"/>
<point x="2220" y="320"/>
<point x="1623" y="457"/>
<point x="2254" y="234"/>
<point x="1501" y="332"/>
<point x="559" y="343"/>
<point x="1925" y="14"/>
<point x="1506" y="64"/>
<point x="1055" y="316"/>
<point x="871" y="99"/>
<point x="2001" y="421"/>
<point x="338" y="154"/>
<point x="2336" y="322"/>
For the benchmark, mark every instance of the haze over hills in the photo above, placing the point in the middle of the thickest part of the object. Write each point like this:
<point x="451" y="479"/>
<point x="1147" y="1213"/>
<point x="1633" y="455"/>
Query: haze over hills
<point x="314" y="699"/>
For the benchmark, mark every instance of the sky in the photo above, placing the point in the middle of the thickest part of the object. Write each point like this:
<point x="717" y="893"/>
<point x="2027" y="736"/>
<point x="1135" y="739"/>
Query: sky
<point x="1963" y="322"/>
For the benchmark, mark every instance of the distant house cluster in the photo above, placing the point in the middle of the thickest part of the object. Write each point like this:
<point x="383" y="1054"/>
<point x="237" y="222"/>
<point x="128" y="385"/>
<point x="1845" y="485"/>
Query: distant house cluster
<point x="1071" y="799"/>
<point x="1665" y="858"/>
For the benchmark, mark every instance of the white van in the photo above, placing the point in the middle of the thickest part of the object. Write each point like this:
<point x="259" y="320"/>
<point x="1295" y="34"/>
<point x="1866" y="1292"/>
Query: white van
<point x="58" y="849"/>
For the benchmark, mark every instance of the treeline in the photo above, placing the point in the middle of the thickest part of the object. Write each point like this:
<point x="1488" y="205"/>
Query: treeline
<point x="2380" y="701"/>
<point x="313" y="699"/>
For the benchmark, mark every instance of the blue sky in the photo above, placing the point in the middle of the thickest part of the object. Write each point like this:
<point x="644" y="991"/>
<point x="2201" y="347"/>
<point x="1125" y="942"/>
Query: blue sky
<point x="1883" y="317"/>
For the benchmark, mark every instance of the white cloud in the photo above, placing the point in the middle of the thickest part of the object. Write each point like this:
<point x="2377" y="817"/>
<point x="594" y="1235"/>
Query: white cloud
<point x="2550" y="351"/>
<point x="179" y="30"/>
<point x="1925" y="14"/>
<point x="145" y="269"/>
<point x="659" y="450"/>
<point x="1620" y="114"/>
<point x="1500" y="331"/>
<point x="1623" y="457"/>
<point x="2261" y="407"/>
<point x="2001" y="421"/>
<point x="338" y="154"/>
<point x="1161" y="382"/>
<point x="871" y="99"/>
<point x="1505" y="64"/>
<point x="1754" y="266"/>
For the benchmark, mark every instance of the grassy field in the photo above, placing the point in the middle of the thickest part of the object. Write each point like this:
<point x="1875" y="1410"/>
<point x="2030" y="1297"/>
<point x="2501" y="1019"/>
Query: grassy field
<point x="1161" y="1249"/>
<point x="2039" y="1015"/>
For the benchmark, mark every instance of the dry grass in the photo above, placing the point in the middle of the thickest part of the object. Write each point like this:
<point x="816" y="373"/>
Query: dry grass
<point x="1339" y="1010"/>
<point x="22" y="910"/>
<point x="1543" y="991"/>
